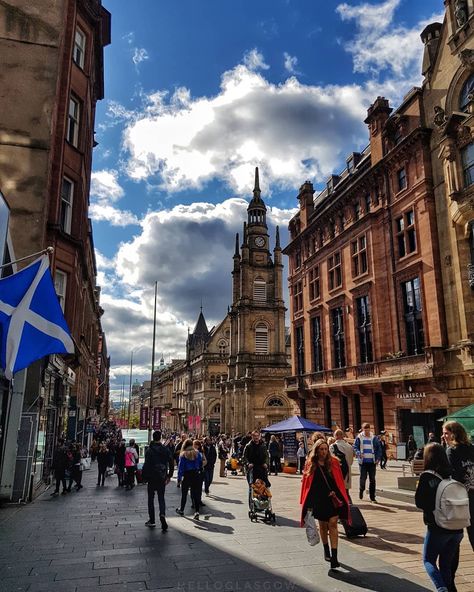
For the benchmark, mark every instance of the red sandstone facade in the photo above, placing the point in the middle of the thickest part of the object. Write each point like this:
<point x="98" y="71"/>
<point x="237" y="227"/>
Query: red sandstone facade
<point x="366" y="304"/>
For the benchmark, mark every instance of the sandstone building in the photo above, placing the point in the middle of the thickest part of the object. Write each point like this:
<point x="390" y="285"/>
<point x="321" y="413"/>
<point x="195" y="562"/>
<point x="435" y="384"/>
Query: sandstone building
<point x="52" y="63"/>
<point x="381" y="305"/>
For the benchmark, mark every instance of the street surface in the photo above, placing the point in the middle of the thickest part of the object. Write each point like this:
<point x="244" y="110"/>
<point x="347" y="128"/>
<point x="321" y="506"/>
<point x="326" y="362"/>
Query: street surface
<point x="96" y="539"/>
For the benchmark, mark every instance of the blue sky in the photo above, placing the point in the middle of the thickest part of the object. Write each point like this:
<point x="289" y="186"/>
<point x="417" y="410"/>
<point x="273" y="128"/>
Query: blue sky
<point x="198" y="93"/>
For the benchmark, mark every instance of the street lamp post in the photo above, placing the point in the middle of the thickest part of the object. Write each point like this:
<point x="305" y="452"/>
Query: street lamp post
<point x="130" y="390"/>
<point x="150" y="408"/>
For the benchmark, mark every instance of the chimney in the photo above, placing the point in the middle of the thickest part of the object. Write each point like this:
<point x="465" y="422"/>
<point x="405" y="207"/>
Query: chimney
<point x="305" y="197"/>
<point x="430" y="37"/>
<point x="377" y="116"/>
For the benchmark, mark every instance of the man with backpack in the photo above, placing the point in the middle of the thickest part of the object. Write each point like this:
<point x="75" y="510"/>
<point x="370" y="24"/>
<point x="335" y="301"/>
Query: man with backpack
<point x="368" y="452"/>
<point x="345" y="453"/>
<point x="157" y="470"/>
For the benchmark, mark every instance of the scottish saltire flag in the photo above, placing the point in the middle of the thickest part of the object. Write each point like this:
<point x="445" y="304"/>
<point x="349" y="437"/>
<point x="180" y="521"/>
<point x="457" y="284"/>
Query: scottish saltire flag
<point x="32" y="324"/>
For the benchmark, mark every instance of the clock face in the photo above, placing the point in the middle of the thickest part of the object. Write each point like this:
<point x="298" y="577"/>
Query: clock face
<point x="259" y="241"/>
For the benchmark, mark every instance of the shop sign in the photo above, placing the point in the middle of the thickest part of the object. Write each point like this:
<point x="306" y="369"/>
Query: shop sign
<point x="411" y="395"/>
<point x="260" y="417"/>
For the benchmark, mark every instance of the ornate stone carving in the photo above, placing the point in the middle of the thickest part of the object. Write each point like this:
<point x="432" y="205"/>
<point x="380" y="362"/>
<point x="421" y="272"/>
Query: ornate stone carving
<point x="460" y="12"/>
<point x="440" y="119"/>
<point x="463" y="136"/>
<point x="467" y="58"/>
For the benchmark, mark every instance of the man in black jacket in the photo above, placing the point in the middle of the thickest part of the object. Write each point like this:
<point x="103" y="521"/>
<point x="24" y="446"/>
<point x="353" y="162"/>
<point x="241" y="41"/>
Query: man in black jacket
<point x="157" y="470"/>
<point x="210" y="453"/>
<point x="256" y="458"/>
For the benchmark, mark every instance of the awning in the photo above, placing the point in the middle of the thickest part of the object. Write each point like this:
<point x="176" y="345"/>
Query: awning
<point x="295" y="424"/>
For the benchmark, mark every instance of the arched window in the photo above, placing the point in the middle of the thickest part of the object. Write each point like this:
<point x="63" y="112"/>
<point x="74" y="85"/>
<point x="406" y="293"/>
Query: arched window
<point x="275" y="402"/>
<point x="216" y="409"/>
<point x="259" y="290"/>
<point x="466" y="93"/>
<point x="222" y="345"/>
<point x="261" y="339"/>
<point x="467" y="158"/>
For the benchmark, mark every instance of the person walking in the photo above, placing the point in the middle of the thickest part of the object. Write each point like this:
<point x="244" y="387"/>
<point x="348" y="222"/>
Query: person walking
<point x="120" y="462"/>
<point x="189" y="474"/>
<point x="131" y="459"/>
<point x="157" y="471"/>
<point x="323" y="492"/>
<point x="102" y="463"/>
<point x="256" y="459"/>
<point x="75" y="468"/>
<point x="274" y="452"/>
<point x="222" y="453"/>
<point x="199" y="447"/>
<point x="441" y="545"/>
<point x="211" y="456"/>
<point x="368" y="452"/>
<point x="345" y="453"/>
<point x="301" y="457"/>
<point x="177" y="452"/>
<point x="59" y="465"/>
<point x="411" y="447"/>
<point x="383" y="446"/>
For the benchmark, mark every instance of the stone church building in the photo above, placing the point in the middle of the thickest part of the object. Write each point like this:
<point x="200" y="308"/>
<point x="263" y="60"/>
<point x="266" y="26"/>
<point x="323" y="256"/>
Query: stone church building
<point x="234" y="376"/>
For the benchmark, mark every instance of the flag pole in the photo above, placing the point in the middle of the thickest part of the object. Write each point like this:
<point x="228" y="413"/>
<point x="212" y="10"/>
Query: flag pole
<point x="48" y="250"/>
<point x="150" y="408"/>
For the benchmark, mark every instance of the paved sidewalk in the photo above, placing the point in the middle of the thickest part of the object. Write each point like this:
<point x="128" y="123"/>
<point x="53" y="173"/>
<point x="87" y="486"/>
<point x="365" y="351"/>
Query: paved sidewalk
<point x="96" y="540"/>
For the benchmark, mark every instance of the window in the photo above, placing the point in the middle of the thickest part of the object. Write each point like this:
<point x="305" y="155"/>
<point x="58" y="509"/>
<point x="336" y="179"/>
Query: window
<point x="314" y="286"/>
<point x="364" y="328"/>
<point x="79" y="48"/>
<point x="72" y="135"/>
<point x="216" y="409"/>
<point x="397" y="134"/>
<point x="359" y="256"/>
<point x="467" y="157"/>
<point x="334" y="271"/>
<point x="298" y="296"/>
<point x="275" y="402"/>
<point x="297" y="259"/>
<point x="299" y="350"/>
<point x="368" y="202"/>
<point x="466" y="94"/>
<point x="60" y="283"/>
<point x="213" y="381"/>
<point x="412" y="310"/>
<point x="317" y="343"/>
<point x="261" y="339"/>
<point x="332" y="229"/>
<point x="406" y="235"/>
<point x="260" y="290"/>
<point x="339" y="348"/>
<point x="67" y="197"/>
<point x="402" y="179"/>
<point x="222" y="345"/>
<point x="356" y="210"/>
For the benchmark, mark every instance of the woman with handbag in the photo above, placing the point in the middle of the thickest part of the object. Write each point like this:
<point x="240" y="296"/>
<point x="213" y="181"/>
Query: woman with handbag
<point x="323" y="491"/>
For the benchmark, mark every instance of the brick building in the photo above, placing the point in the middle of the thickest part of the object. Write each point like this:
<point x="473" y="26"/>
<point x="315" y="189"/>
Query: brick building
<point x="367" y="316"/>
<point x="53" y="53"/>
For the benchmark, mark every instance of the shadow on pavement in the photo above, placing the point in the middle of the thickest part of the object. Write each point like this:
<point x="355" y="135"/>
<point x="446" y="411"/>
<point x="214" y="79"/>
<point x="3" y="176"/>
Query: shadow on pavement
<point x="374" y="542"/>
<point x="397" y="537"/>
<point x="375" y="581"/>
<point x="224" y="500"/>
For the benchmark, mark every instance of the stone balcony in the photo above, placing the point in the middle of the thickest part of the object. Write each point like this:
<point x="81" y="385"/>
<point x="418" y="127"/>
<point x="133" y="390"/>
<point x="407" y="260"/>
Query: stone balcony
<point x="403" y="368"/>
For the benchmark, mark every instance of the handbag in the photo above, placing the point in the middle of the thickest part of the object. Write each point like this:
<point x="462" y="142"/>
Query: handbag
<point x="312" y="532"/>
<point x="336" y="502"/>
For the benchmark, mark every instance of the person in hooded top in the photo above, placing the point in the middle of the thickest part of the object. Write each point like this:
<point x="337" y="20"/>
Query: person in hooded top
<point x="190" y="467"/>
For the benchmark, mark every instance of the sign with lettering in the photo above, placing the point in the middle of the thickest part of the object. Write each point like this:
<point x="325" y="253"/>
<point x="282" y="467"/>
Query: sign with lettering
<point x="143" y="418"/>
<point x="290" y="447"/>
<point x="156" y="418"/>
<point x="411" y="395"/>
<point x="190" y="422"/>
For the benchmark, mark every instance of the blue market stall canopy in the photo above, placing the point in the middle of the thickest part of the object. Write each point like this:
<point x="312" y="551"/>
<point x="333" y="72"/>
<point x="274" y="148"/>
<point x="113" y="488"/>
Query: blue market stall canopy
<point x="295" y="424"/>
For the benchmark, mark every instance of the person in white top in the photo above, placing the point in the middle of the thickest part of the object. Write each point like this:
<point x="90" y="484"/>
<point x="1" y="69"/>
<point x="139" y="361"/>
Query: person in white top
<point x="341" y="447"/>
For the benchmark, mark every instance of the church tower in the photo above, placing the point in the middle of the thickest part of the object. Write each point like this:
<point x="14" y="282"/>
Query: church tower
<point x="254" y="395"/>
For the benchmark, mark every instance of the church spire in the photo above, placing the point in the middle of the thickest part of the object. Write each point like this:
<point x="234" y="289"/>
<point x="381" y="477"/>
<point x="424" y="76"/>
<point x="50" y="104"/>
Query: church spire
<point x="277" y="241"/>
<point x="256" y="189"/>
<point x="237" y="253"/>
<point x="257" y="210"/>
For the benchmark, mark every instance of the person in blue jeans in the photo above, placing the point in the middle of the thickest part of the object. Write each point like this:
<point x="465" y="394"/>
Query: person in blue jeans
<point x="369" y="453"/>
<point x="441" y="544"/>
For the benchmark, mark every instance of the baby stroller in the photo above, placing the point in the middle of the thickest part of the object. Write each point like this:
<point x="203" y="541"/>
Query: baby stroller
<point x="232" y="464"/>
<point x="260" y="500"/>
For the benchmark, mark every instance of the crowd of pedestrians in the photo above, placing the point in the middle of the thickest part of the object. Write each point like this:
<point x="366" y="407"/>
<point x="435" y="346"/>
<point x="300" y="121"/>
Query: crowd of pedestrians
<point x="324" y="462"/>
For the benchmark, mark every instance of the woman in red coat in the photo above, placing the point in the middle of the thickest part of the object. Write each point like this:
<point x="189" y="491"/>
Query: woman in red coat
<point x="322" y="481"/>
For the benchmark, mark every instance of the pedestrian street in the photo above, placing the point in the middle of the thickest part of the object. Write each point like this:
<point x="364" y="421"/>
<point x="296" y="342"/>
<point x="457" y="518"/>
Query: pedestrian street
<point x="96" y="539"/>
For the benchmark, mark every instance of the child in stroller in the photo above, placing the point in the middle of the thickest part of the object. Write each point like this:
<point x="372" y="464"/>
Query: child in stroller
<point x="260" y="501"/>
<point x="232" y="464"/>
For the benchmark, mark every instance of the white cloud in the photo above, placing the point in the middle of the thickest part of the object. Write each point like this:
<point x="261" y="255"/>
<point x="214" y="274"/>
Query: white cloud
<point x="390" y="53"/>
<point x="105" y="192"/>
<point x="197" y="239"/>
<point x="140" y="55"/>
<point x="254" y="60"/>
<point x="292" y="131"/>
<point x="291" y="63"/>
